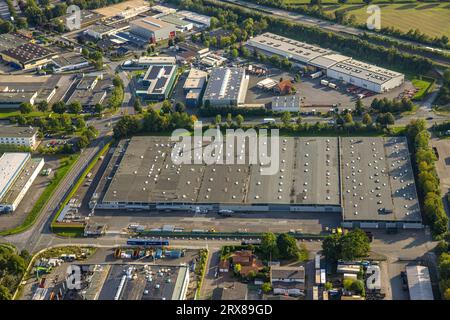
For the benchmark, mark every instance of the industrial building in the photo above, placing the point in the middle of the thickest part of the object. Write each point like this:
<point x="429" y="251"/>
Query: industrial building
<point x="419" y="283"/>
<point x="194" y="85"/>
<point x="178" y="21"/>
<point x="19" y="136"/>
<point x="28" y="56"/>
<point x="199" y="20"/>
<point x="69" y="61"/>
<point x="17" y="173"/>
<point x="157" y="83"/>
<point x="89" y="91"/>
<point x="226" y="87"/>
<point x="152" y="29"/>
<point x="336" y="66"/>
<point x="99" y="31"/>
<point x="367" y="188"/>
<point x="16" y="89"/>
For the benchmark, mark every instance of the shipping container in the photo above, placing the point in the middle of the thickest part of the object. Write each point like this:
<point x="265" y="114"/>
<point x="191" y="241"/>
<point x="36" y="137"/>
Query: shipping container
<point x="316" y="74"/>
<point x="323" y="278"/>
<point x="315" y="293"/>
<point x="324" y="82"/>
<point x="332" y="85"/>
<point x="317" y="261"/>
<point x="318" y="278"/>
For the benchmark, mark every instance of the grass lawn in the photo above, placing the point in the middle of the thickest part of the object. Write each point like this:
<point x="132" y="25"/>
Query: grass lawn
<point x="430" y="18"/>
<point x="422" y="85"/>
<point x="325" y="2"/>
<point x="65" y="165"/>
<point x="6" y="113"/>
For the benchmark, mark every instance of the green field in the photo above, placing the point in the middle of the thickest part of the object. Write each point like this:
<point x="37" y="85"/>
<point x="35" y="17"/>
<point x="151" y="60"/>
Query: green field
<point x="432" y="19"/>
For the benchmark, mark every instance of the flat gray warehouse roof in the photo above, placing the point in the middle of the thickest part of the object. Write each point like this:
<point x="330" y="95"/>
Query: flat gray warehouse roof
<point x="378" y="182"/>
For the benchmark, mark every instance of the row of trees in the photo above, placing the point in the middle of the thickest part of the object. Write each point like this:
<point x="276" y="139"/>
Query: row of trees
<point x="427" y="179"/>
<point x="356" y="47"/>
<point x="393" y="106"/>
<point x="443" y="251"/>
<point x="341" y="16"/>
<point x="443" y="97"/>
<point x="152" y="121"/>
<point x="284" y="246"/>
<point x="117" y="94"/>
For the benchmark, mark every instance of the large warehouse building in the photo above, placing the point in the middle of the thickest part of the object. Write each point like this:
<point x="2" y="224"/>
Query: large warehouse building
<point x="335" y="66"/>
<point x="367" y="181"/>
<point x="17" y="173"/>
<point x="226" y="87"/>
<point x="157" y="82"/>
<point x="152" y="29"/>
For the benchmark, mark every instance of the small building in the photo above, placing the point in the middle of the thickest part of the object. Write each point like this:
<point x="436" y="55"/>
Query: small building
<point x="286" y="103"/>
<point x="196" y="79"/>
<point x="419" y="283"/>
<point x="157" y="82"/>
<point x="267" y="84"/>
<point x="28" y="56"/>
<point x="373" y="275"/>
<point x="348" y="268"/>
<point x="248" y="261"/>
<point x="213" y="60"/>
<point x="154" y="61"/>
<point x="284" y="87"/>
<point x="94" y="229"/>
<point x="99" y="31"/>
<point x="226" y="87"/>
<point x="288" y="280"/>
<point x="88" y="91"/>
<point x="68" y="62"/>
<point x="19" y="136"/>
<point x="13" y="98"/>
<point x="152" y="29"/>
<point x="237" y="291"/>
<point x="187" y="53"/>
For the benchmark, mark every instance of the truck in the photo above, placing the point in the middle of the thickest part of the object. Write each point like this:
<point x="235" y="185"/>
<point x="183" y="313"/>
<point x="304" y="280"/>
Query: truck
<point x="324" y="82"/>
<point x="317" y="261"/>
<point x="316" y="74"/>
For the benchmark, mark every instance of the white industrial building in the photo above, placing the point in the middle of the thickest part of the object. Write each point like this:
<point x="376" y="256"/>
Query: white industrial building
<point x="336" y="66"/>
<point x="198" y="19"/>
<point x="366" y="76"/>
<point x="152" y="29"/>
<point x="19" y="136"/>
<point x="226" y="87"/>
<point x="17" y="173"/>
<point x="286" y="103"/>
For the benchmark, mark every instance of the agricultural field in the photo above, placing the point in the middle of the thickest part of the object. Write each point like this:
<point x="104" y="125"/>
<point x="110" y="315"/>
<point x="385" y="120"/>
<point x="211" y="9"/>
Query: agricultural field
<point x="430" y="18"/>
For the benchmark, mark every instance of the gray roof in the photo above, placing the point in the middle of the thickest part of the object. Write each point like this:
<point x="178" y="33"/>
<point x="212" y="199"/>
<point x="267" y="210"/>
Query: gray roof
<point x="224" y="84"/>
<point x="376" y="175"/>
<point x="17" y="131"/>
<point x="419" y="283"/>
<point x="292" y="273"/>
<point x="28" y="52"/>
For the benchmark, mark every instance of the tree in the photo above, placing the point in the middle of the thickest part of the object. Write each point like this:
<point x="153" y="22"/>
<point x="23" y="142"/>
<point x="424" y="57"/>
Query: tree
<point x="229" y="119"/>
<point x="286" y="118"/>
<point x="234" y="53"/>
<point x="82" y="142"/>
<point x="355" y="244"/>
<point x="359" y="107"/>
<point x="237" y="268"/>
<point x="25" y="107"/>
<point x="266" y="287"/>
<point x="357" y="286"/>
<point x="367" y="119"/>
<point x="180" y="107"/>
<point x="328" y="286"/>
<point x="239" y="120"/>
<point x="137" y="105"/>
<point x="4" y="293"/>
<point x="218" y="119"/>
<point x="269" y="246"/>
<point x="59" y="107"/>
<point x="447" y="294"/>
<point x="75" y="107"/>
<point x="98" y="108"/>
<point x="42" y="106"/>
<point x="348" y="117"/>
<point x="166" y="107"/>
<point x="287" y="246"/>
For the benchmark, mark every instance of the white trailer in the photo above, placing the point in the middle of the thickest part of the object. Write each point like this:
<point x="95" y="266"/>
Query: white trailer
<point x="315" y="293"/>
<point x="324" y="82"/>
<point x="317" y="261"/>
<point x="316" y="74"/>
<point x="332" y="85"/>
<point x="323" y="278"/>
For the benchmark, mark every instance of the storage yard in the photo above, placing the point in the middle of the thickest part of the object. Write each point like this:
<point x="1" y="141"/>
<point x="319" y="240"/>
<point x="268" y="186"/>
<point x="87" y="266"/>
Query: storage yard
<point x="315" y="174"/>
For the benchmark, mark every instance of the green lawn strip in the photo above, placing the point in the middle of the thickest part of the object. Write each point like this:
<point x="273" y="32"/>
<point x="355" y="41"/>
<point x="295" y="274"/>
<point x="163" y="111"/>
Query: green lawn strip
<point x="423" y="85"/>
<point x="45" y="196"/>
<point x="78" y="183"/>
